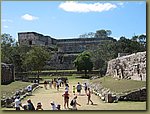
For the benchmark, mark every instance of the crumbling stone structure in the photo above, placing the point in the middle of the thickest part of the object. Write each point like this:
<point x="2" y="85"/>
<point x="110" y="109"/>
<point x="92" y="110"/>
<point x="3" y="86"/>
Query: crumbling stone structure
<point x="68" y="49"/>
<point x="128" y="67"/>
<point x="7" y="73"/>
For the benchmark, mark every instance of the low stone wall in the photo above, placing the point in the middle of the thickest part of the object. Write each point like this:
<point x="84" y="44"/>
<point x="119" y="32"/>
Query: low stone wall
<point x="107" y="95"/>
<point x="9" y="101"/>
<point x="128" y="67"/>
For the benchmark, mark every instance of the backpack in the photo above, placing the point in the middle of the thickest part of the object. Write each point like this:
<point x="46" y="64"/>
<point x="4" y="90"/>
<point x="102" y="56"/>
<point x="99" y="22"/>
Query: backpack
<point x="71" y="103"/>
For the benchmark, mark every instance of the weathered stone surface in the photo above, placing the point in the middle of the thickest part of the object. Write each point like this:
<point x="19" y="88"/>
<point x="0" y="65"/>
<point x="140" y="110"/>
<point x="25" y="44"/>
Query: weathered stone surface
<point x="128" y="67"/>
<point x="7" y="73"/>
<point x="68" y="49"/>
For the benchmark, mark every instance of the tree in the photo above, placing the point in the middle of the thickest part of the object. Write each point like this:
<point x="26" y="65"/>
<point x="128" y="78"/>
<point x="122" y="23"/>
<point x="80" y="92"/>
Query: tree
<point x="102" y="54"/>
<point x="36" y="59"/>
<point x="6" y="48"/>
<point x="125" y="45"/>
<point x="87" y="35"/>
<point x="83" y="62"/>
<point x="102" y="33"/>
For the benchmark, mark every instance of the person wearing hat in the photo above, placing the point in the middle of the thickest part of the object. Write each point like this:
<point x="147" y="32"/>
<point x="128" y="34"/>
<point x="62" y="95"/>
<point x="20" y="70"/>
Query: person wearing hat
<point x="53" y="106"/>
<point x="39" y="106"/>
<point x="30" y="105"/>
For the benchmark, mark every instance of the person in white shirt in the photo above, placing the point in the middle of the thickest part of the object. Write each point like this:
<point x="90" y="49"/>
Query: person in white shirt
<point x="18" y="103"/>
<point x="54" y="107"/>
<point x="29" y="89"/>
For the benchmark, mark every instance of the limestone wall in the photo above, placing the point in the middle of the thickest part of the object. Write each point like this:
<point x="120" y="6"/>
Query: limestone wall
<point x="128" y="67"/>
<point x="7" y="73"/>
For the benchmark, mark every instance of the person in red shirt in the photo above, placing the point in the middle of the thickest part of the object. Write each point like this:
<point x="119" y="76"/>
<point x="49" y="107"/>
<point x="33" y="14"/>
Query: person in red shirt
<point x="66" y="99"/>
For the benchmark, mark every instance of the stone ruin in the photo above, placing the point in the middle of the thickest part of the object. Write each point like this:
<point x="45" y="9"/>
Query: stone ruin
<point x="128" y="67"/>
<point x="7" y="73"/>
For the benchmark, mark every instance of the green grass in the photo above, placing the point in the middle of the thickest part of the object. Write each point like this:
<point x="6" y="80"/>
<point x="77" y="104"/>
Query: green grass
<point x="120" y="86"/>
<point x="10" y="89"/>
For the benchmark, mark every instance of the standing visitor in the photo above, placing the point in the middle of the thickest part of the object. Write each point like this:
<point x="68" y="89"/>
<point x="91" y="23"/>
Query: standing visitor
<point x="74" y="103"/>
<point x="45" y="84"/>
<point x="67" y="87"/>
<point x="66" y="99"/>
<point x="50" y="84"/>
<point x="89" y="97"/>
<point x="74" y="89"/>
<point x="85" y="88"/>
<point x="79" y="87"/>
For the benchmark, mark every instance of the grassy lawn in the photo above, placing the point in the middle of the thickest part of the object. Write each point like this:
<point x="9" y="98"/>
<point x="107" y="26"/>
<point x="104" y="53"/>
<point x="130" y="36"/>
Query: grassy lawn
<point x="8" y="90"/>
<point x="120" y="86"/>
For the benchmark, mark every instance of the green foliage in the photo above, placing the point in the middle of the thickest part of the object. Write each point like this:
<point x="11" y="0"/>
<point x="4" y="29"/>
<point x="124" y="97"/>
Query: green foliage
<point x="108" y="50"/>
<point x="6" y="48"/>
<point x="125" y="45"/>
<point x="104" y="52"/>
<point x="36" y="58"/>
<point x="102" y="33"/>
<point x="83" y="62"/>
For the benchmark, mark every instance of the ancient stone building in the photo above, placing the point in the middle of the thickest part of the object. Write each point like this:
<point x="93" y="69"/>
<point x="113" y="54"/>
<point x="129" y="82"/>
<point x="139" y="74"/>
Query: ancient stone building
<point x="33" y="38"/>
<point x="128" y="67"/>
<point x="7" y="73"/>
<point x="68" y="49"/>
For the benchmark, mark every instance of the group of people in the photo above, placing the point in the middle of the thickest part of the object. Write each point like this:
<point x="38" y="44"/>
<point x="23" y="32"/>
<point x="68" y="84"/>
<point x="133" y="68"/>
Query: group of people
<point x="28" y="106"/>
<point x="73" y="102"/>
<point x="56" y="83"/>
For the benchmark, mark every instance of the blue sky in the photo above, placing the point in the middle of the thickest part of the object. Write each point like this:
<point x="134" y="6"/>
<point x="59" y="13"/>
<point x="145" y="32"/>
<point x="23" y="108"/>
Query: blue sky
<point x="62" y="19"/>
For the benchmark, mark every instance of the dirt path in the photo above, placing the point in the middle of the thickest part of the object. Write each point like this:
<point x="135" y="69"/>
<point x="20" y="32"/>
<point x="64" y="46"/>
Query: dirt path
<point x="46" y="96"/>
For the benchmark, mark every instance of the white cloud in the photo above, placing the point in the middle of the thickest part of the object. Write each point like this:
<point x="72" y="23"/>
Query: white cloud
<point x="5" y="26"/>
<point x="29" y="17"/>
<point x="7" y="20"/>
<point x="120" y="3"/>
<point x="72" y="6"/>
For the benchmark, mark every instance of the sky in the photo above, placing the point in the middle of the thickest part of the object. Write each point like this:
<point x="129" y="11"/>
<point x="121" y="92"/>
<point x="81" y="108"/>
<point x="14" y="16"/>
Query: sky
<point x="69" y="19"/>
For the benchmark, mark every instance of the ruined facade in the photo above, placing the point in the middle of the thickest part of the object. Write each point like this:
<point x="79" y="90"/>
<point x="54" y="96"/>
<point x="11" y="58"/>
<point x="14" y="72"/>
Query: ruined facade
<point x="128" y="67"/>
<point x="7" y="73"/>
<point x="68" y="49"/>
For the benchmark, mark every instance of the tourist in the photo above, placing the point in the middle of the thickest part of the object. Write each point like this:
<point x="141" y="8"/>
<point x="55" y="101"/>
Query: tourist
<point x="54" y="84"/>
<point x="79" y="87"/>
<point x="50" y="84"/>
<point x="74" y="103"/>
<point x="54" y="107"/>
<point x="89" y="97"/>
<point x="74" y="89"/>
<point x="30" y="105"/>
<point x="66" y="87"/>
<point x="66" y="99"/>
<point x="39" y="106"/>
<point x="25" y="107"/>
<point x="58" y="107"/>
<point x="29" y="89"/>
<point x="45" y="84"/>
<point x="17" y="103"/>
<point x="85" y="88"/>
<point x="57" y="84"/>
